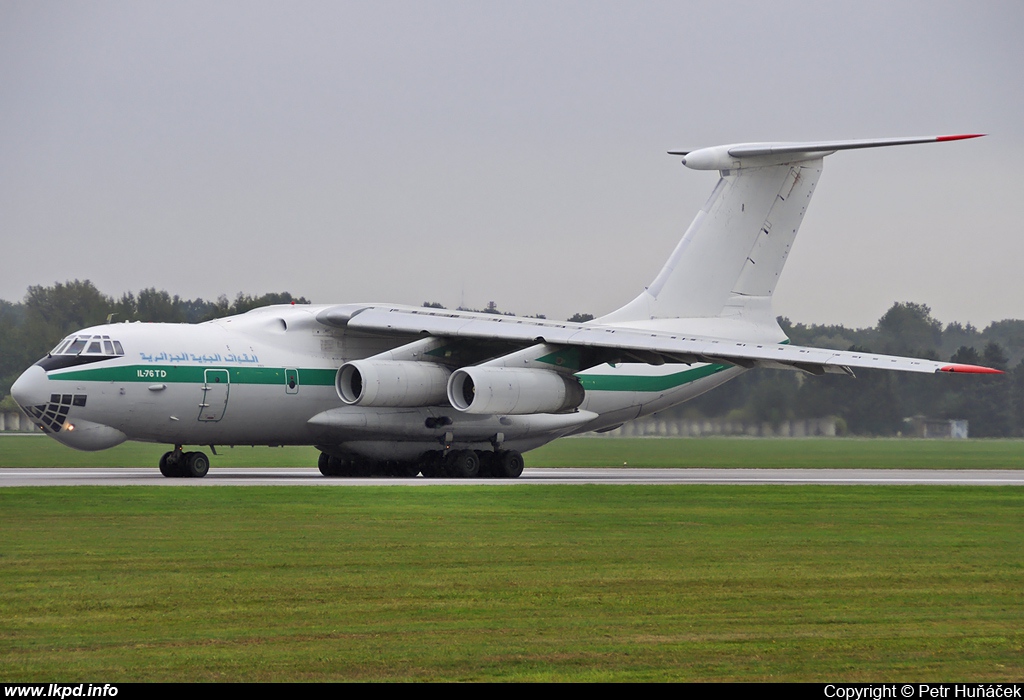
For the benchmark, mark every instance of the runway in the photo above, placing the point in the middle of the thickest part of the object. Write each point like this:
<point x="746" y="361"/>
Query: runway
<point x="311" y="477"/>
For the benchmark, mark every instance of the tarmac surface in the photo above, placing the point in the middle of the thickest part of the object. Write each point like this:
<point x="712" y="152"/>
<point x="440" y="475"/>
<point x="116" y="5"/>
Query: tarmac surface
<point x="11" y="477"/>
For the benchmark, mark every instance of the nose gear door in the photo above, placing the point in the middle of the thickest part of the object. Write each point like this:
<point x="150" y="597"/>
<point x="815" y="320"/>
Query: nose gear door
<point x="216" y="386"/>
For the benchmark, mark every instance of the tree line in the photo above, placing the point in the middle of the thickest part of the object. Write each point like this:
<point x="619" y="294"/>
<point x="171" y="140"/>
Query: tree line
<point x="875" y="403"/>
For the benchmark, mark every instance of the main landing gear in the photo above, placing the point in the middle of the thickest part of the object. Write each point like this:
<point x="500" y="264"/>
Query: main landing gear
<point x="184" y="464"/>
<point x="455" y="464"/>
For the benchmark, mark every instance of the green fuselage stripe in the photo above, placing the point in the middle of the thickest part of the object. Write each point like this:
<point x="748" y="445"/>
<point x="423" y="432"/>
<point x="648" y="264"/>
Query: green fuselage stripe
<point x="624" y="382"/>
<point x="190" y="374"/>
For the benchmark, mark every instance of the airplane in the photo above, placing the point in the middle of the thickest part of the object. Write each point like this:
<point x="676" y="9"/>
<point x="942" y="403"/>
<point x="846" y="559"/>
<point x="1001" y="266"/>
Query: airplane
<point x="402" y="390"/>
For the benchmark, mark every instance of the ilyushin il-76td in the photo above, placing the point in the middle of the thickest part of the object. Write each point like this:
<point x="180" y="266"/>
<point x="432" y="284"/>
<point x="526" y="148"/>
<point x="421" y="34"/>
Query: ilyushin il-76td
<point x="389" y="389"/>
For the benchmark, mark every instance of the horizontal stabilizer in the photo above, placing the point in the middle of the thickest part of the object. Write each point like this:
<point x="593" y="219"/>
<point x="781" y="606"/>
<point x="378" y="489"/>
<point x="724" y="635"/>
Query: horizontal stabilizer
<point x="755" y="155"/>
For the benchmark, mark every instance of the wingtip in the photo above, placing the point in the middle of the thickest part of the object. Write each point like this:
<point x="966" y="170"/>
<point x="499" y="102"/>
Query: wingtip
<point x="970" y="369"/>
<point x="959" y="137"/>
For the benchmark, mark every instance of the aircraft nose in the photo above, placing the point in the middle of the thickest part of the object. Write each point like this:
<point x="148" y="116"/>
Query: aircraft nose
<point x="31" y="388"/>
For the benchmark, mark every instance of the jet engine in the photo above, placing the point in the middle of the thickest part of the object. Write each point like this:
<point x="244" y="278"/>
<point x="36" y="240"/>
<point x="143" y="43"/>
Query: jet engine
<point x="513" y="391"/>
<point x="388" y="383"/>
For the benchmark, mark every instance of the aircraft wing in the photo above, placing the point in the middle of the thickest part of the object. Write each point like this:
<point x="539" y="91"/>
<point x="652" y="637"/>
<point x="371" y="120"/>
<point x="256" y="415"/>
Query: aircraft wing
<point x="620" y="343"/>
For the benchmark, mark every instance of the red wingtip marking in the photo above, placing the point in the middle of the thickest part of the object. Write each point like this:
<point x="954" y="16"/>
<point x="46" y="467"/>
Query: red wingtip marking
<point x="958" y="137"/>
<point x="970" y="369"/>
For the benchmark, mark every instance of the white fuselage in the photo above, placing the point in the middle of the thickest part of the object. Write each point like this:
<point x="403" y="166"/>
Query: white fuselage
<point x="268" y="377"/>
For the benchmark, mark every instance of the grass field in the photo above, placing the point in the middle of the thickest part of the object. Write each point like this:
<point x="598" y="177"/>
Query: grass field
<point x="39" y="451"/>
<point x="520" y="583"/>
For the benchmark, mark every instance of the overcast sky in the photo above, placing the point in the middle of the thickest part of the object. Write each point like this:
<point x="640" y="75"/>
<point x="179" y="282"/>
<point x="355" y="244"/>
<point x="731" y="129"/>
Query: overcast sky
<point x="505" y="151"/>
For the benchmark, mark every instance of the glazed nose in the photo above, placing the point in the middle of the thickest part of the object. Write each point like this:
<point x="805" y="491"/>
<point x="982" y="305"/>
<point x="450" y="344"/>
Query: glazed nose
<point x="31" y="387"/>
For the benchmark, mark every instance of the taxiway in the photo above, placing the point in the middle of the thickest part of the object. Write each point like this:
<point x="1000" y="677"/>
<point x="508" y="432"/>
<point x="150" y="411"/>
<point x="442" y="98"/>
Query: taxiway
<point x="311" y="477"/>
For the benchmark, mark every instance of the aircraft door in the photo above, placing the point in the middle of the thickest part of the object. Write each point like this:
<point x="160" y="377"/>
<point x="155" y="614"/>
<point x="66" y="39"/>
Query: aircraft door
<point x="291" y="381"/>
<point x="216" y="386"/>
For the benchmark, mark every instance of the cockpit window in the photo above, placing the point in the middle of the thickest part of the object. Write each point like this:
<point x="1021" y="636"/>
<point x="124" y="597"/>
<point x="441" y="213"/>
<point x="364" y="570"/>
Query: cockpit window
<point x="76" y="347"/>
<point x="100" y="345"/>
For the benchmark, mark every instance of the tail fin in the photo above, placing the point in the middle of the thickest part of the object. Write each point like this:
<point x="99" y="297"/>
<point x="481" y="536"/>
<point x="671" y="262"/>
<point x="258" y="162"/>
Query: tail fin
<point x="730" y="258"/>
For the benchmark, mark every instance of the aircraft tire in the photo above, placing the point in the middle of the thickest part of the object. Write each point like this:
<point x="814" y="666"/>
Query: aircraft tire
<point x="510" y="464"/>
<point x="431" y="465"/>
<point x="488" y="463"/>
<point x="324" y="464"/>
<point x="337" y="466"/>
<point x="364" y="467"/>
<point x="196" y="465"/>
<point x="166" y="468"/>
<point x="463" y="464"/>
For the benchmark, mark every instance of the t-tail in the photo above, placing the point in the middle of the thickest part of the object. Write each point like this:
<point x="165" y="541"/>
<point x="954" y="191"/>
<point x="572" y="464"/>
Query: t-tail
<point x="729" y="260"/>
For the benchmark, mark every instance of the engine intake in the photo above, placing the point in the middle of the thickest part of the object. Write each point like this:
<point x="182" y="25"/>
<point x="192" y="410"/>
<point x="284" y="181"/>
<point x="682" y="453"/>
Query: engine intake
<point x="513" y="391"/>
<point x="385" y="383"/>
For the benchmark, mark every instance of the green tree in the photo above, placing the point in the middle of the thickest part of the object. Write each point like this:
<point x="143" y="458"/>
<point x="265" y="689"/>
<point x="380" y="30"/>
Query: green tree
<point x="871" y="404"/>
<point x="13" y="358"/>
<point x="159" y="307"/>
<point x="774" y="399"/>
<point x="66" y="307"/>
<point x="53" y="312"/>
<point x="985" y="401"/>
<point x="1009" y="334"/>
<point x="243" y="302"/>
<point x="1016" y="389"/>
<point x="956" y="335"/>
<point x="909" y="329"/>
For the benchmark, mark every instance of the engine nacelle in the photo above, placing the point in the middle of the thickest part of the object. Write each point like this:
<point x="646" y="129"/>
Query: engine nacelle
<point x="513" y="391"/>
<point x="390" y="384"/>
